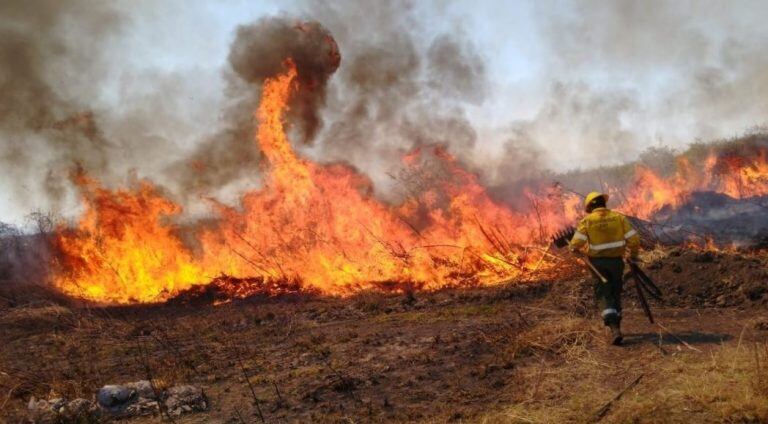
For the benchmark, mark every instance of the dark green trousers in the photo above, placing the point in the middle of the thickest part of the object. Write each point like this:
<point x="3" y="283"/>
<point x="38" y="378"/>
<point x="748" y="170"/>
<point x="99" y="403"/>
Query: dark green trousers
<point x="608" y="295"/>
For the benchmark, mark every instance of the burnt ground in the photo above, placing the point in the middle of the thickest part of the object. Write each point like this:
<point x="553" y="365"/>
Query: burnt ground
<point x="520" y="352"/>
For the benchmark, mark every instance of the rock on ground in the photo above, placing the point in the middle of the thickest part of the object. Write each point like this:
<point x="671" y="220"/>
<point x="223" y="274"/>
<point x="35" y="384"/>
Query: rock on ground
<point x="119" y="400"/>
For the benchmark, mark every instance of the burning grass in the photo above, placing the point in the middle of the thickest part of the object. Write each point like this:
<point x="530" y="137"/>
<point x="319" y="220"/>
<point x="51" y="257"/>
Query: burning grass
<point x="317" y="224"/>
<point x="318" y="228"/>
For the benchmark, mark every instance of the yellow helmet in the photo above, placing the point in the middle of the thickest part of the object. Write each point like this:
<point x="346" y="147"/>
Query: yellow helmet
<point x="592" y="196"/>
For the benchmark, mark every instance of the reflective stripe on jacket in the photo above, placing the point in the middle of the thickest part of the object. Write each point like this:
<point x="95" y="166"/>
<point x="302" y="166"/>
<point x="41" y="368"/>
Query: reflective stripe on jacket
<point x="606" y="233"/>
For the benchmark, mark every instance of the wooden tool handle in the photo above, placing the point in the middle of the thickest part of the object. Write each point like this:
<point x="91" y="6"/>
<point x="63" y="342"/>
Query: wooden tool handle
<point x="592" y="267"/>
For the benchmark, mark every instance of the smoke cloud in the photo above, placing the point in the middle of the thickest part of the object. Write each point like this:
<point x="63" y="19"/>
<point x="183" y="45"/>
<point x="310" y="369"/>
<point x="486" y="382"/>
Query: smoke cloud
<point x="397" y="89"/>
<point x="42" y="132"/>
<point x="400" y="87"/>
<point x="259" y="51"/>
<point x="609" y="81"/>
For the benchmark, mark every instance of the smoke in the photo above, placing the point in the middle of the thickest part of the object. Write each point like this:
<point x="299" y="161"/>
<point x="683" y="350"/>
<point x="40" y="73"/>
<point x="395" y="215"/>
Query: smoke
<point x="620" y="77"/>
<point x="399" y="88"/>
<point x="43" y="131"/>
<point x="577" y="128"/>
<point x="79" y="91"/>
<point x="405" y="85"/>
<point x="609" y="80"/>
<point x="259" y="51"/>
<point x="402" y="86"/>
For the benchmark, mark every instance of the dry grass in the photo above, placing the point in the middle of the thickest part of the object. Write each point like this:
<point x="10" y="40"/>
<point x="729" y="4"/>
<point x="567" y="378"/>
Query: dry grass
<point x="728" y="385"/>
<point x="517" y="354"/>
<point x="568" y="338"/>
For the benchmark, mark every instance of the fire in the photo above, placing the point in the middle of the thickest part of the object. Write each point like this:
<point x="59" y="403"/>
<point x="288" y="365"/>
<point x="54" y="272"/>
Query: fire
<point x="317" y="224"/>
<point x="322" y="225"/>
<point x="319" y="228"/>
<point x="123" y="251"/>
<point x="739" y="176"/>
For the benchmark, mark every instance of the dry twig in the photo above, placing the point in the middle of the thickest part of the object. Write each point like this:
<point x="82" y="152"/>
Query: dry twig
<point x="683" y="342"/>
<point x="604" y="410"/>
<point x="256" y="402"/>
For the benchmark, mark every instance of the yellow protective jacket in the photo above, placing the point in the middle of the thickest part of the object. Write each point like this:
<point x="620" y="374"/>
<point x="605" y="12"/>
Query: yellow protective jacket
<point x="606" y="233"/>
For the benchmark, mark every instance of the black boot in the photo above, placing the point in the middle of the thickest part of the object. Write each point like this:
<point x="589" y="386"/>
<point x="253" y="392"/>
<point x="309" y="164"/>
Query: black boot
<point x="616" y="336"/>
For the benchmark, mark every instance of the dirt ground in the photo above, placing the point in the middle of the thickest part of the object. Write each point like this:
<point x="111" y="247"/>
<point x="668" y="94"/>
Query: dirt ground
<point x="519" y="352"/>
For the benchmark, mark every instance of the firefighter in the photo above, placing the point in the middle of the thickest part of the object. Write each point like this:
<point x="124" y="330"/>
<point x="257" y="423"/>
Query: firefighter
<point x="606" y="235"/>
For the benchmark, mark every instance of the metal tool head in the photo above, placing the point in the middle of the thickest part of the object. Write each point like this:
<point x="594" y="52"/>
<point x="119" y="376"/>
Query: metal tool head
<point x="563" y="237"/>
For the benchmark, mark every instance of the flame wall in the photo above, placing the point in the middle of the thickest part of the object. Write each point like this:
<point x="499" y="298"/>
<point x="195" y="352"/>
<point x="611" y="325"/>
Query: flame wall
<point x="321" y="225"/>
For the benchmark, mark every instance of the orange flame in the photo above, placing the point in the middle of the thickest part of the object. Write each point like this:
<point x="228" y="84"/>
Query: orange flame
<point x="320" y="227"/>
<point x="738" y="176"/>
<point x="123" y="250"/>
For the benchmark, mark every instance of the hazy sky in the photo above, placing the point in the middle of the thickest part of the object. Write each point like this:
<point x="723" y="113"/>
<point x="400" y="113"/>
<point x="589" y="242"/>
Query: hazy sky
<point x="641" y="47"/>
<point x="640" y="56"/>
<point x="567" y="84"/>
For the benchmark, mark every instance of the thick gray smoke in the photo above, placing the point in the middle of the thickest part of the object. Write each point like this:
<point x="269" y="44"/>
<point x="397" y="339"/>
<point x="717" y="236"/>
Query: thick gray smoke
<point x="400" y="87"/>
<point x="42" y="132"/>
<point x="79" y="88"/>
<point x="259" y="51"/>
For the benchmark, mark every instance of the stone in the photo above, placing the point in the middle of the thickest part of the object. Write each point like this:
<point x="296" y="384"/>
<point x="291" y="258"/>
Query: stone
<point x="118" y="401"/>
<point x="59" y="410"/>
<point x="79" y="409"/>
<point x="113" y="395"/>
<point x="185" y="398"/>
<point x="142" y="406"/>
<point x="143" y="388"/>
<point x="57" y="404"/>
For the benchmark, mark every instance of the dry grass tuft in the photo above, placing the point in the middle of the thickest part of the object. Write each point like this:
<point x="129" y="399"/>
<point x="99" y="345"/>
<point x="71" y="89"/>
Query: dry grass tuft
<point x="760" y="380"/>
<point x="730" y="385"/>
<point x="569" y="338"/>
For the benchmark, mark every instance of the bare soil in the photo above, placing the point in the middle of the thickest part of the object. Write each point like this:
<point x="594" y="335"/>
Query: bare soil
<point x="519" y="352"/>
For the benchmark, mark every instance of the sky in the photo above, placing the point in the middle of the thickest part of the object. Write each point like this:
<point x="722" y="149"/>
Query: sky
<point x="561" y="84"/>
<point x="527" y="47"/>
